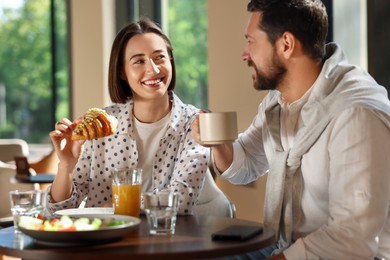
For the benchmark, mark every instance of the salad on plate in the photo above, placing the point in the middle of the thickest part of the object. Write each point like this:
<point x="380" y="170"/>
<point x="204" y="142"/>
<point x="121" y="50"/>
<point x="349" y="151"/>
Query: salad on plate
<point x="66" y="223"/>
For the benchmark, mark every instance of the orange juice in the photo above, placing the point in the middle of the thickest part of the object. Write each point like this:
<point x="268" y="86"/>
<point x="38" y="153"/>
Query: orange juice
<point x="126" y="199"/>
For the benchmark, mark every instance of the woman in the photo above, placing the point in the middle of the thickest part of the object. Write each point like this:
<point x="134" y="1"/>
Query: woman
<point x="152" y="133"/>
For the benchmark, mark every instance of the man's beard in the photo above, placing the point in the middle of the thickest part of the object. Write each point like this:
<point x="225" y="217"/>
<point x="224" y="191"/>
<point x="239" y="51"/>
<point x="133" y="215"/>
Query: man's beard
<point x="271" y="81"/>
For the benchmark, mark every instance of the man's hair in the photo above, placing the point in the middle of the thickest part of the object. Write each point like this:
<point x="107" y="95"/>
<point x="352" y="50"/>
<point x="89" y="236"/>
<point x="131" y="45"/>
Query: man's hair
<point x="118" y="87"/>
<point x="307" y="20"/>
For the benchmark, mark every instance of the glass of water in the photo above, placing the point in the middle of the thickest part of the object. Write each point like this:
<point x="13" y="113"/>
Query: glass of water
<point x="27" y="203"/>
<point x="161" y="209"/>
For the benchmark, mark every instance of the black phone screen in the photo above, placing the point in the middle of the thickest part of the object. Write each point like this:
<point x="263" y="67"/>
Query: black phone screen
<point x="237" y="233"/>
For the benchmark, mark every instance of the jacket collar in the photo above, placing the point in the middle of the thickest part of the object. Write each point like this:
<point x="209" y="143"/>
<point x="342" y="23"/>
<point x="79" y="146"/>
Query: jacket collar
<point x="176" y="126"/>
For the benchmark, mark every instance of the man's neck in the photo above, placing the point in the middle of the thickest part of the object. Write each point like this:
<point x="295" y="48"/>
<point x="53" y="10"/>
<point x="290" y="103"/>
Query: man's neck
<point x="299" y="79"/>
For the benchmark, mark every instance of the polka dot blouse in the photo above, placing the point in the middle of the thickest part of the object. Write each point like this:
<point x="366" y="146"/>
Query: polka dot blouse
<point x="180" y="164"/>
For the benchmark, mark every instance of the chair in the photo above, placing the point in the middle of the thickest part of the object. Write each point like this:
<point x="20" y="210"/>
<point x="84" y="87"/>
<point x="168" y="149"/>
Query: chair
<point x="9" y="148"/>
<point x="212" y="201"/>
<point x="7" y="171"/>
<point x="48" y="164"/>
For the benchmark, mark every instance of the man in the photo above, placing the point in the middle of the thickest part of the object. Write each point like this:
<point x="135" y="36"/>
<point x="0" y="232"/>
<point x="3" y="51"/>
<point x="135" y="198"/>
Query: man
<point x="323" y="132"/>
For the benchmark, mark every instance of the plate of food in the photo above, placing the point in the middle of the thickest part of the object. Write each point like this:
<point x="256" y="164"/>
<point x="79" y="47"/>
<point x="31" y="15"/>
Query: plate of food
<point x="85" y="211"/>
<point x="80" y="230"/>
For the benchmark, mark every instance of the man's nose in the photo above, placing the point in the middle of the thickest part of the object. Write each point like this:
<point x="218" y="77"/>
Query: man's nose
<point x="245" y="55"/>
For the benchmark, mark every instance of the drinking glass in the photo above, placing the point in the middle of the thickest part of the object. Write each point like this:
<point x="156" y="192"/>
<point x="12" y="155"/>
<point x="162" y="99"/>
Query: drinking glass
<point x="27" y="203"/>
<point x="126" y="191"/>
<point x="161" y="210"/>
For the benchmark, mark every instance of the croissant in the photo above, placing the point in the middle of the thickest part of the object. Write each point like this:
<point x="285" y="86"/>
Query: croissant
<point x="96" y="123"/>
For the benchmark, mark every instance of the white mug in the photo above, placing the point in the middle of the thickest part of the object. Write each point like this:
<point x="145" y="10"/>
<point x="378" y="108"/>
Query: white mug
<point x="218" y="127"/>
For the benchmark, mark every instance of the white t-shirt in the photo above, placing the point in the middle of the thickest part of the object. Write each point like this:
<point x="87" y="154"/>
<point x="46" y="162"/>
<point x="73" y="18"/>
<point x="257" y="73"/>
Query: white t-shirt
<point x="148" y="136"/>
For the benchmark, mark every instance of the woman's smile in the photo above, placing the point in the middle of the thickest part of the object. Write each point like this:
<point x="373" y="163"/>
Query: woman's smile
<point x="153" y="82"/>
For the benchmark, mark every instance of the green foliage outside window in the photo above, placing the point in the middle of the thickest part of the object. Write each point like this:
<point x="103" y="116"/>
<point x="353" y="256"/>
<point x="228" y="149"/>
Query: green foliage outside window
<point x="26" y="95"/>
<point x="187" y="29"/>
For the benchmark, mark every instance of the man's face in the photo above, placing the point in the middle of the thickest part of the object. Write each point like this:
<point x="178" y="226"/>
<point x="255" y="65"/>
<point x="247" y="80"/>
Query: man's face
<point x="262" y="56"/>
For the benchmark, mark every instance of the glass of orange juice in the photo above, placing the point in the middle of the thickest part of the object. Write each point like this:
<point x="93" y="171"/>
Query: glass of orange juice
<point x="126" y="191"/>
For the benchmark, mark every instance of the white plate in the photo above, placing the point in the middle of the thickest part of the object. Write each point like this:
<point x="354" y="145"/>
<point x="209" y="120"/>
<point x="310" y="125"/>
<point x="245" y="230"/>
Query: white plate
<point x="72" y="238"/>
<point x="85" y="211"/>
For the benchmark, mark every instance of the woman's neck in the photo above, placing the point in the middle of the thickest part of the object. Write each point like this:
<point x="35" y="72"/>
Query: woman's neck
<point x="152" y="110"/>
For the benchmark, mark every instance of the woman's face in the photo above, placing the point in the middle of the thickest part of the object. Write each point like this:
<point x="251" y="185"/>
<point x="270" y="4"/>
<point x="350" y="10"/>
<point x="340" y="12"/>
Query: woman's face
<point x="147" y="66"/>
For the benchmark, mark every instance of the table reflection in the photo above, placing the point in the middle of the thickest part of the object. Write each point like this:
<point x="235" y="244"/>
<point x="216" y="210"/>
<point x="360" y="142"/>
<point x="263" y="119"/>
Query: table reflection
<point x="191" y="240"/>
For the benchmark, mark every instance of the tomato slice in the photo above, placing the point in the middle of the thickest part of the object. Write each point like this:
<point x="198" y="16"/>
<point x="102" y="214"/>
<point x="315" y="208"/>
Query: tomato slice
<point x="54" y="221"/>
<point x="71" y="228"/>
<point x="39" y="216"/>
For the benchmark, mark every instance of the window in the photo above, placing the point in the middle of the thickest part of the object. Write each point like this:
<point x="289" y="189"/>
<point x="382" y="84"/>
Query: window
<point x="34" y="59"/>
<point x="361" y="28"/>
<point x="378" y="38"/>
<point x="34" y="80"/>
<point x="187" y="29"/>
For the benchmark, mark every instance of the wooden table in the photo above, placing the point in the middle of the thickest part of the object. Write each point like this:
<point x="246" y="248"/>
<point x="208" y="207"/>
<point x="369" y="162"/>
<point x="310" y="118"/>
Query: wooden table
<point x="192" y="240"/>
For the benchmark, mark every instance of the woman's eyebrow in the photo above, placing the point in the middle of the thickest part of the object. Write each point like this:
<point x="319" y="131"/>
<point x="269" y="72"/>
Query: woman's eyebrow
<point x="136" y="56"/>
<point x="158" y="51"/>
<point x="142" y="55"/>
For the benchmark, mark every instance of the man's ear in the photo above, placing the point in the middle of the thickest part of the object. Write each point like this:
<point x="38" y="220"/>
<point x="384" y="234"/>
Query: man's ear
<point x="287" y="44"/>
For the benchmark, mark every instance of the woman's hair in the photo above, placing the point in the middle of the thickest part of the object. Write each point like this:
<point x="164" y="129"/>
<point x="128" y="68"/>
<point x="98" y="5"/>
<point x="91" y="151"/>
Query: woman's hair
<point x="120" y="91"/>
<point x="307" y="20"/>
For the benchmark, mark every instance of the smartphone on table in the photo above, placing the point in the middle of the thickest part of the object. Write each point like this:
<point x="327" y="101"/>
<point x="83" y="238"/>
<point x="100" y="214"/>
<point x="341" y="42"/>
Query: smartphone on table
<point x="237" y="233"/>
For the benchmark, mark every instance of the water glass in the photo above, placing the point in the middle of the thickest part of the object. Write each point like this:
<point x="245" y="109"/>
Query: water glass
<point x="161" y="209"/>
<point x="126" y="191"/>
<point x="27" y="203"/>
